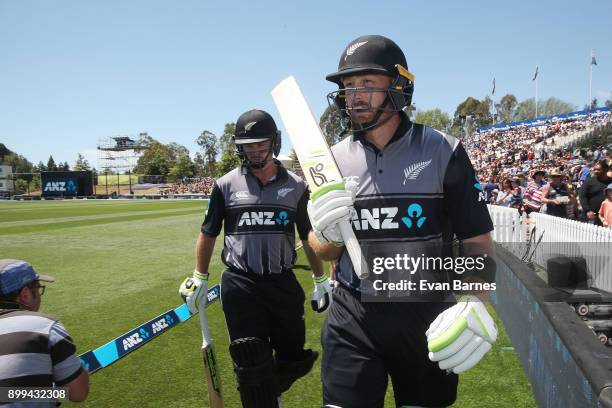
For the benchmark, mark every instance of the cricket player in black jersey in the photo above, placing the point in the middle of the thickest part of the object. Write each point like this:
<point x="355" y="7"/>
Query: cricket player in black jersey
<point x="260" y="205"/>
<point x="406" y="187"/>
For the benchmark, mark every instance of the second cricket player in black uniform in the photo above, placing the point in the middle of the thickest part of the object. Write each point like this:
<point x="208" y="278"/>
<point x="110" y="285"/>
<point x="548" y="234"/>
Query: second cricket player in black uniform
<point x="260" y="204"/>
<point x="406" y="187"/>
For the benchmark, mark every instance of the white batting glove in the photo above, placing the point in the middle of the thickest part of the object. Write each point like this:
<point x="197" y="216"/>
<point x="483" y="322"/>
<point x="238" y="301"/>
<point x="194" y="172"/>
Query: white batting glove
<point x="330" y="204"/>
<point x="193" y="291"/>
<point x="461" y="335"/>
<point x="322" y="293"/>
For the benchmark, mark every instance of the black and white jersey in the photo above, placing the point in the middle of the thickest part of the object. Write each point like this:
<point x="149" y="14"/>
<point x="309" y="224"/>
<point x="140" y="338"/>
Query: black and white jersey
<point x="259" y="221"/>
<point x="418" y="192"/>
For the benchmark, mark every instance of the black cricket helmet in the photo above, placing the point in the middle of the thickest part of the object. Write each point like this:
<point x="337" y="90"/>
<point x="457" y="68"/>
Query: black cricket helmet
<point x="374" y="54"/>
<point x="256" y="126"/>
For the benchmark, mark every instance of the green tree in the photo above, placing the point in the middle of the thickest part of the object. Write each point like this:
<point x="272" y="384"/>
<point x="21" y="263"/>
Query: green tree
<point x="505" y="108"/>
<point x="199" y="166"/>
<point x="525" y="110"/>
<point x="331" y="125"/>
<point x="63" y="166"/>
<point x="51" y="166"/>
<point x="609" y="103"/>
<point x="554" y="106"/>
<point x="182" y="168"/>
<point x="81" y="163"/>
<point x="226" y="141"/>
<point x="144" y="139"/>
<point x="229" y="161"/>
<point x="208" y="142"/>
<point x="40" y="167"/>
<point x="19" y="163"/>
<point x="20" y="185"/>
<point x="465" y="109"/>
<point x="175" y="150"/>
<point x="551" y="106"/>
<point x="156" y="160"/>
<point x="594" y="103"/>
<point x="4" y="151"/>
<point x="435" y="118"/>
<point x="484" y="117"/>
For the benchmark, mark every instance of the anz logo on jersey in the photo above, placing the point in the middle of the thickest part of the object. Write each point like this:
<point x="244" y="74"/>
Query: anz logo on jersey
<point x="251" y="218"/>
<point x="395" y="221"/>
<point x="259" y="219"/>
<point x="263" y="218"/>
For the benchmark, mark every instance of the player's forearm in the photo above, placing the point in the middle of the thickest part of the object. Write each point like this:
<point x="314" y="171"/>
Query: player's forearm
<point x="326" y="252"/>
<point x="204" y="250"/>
<point x="315" y="263"/>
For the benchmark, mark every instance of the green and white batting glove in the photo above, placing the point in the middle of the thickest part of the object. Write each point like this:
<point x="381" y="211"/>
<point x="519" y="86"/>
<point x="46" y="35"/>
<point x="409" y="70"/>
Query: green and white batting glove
<point x="461" y="335"/>
<point x="193" y="291"/>
<point x="330" y="204"/>
<point x="322" y="293"/>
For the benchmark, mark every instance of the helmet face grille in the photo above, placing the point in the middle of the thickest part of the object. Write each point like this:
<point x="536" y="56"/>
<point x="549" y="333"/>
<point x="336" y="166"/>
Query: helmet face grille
<point x="373" y="54"/>
<point x="395" y="101"/>
<point x="256" y="126"/>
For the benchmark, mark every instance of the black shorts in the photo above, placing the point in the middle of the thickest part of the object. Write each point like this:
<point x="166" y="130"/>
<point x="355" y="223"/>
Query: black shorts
<point x="270" y="307"/>
<point x="364" y="343"/>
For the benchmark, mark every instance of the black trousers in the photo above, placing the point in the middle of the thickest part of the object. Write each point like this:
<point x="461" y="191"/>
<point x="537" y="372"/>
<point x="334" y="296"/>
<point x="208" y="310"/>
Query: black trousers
<point x="364" y="343"/>
<point x="270" y="307"/>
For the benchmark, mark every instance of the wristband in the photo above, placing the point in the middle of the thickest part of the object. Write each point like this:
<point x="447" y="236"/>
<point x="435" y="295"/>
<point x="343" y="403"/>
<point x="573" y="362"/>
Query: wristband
<point x="200" y="275"/>
<point x="319" y="279"/>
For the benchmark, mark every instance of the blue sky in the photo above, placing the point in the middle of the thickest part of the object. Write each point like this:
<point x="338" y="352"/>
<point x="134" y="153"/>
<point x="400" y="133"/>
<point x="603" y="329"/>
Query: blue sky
<point x="73" y="72"/>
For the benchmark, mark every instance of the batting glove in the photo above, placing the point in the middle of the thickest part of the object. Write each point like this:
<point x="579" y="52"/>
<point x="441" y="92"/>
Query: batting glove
<point x="461" y="335"/>
<point x="322" y="293"/>
<point x="193" y="291"/>
<point x="329" y="205"/>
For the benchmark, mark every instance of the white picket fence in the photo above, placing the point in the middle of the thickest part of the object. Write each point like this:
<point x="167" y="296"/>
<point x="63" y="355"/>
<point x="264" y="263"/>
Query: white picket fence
<point x="508" y="225"/>
<point x="559" y="237"/>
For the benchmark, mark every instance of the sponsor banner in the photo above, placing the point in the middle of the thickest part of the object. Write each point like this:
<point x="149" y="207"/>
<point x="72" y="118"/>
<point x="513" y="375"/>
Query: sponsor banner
<point x="66" y="183"/>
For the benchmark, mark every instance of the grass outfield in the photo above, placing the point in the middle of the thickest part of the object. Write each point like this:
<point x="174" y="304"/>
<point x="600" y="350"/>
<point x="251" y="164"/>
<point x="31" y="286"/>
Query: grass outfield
<point x="119" y="263"/>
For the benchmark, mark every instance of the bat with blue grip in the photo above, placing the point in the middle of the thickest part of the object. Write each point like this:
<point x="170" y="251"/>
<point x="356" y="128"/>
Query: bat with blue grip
<point x="114" y="350"/>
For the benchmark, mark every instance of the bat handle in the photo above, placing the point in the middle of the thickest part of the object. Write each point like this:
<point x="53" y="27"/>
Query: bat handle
<point x="206" y="338"/>
<point x="354" y="250"/>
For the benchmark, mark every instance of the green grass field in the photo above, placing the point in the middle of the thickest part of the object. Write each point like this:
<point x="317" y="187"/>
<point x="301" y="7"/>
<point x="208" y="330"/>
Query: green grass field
<point x="119" y="263"/>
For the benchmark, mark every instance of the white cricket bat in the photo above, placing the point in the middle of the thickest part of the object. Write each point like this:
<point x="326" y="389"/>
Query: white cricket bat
<point x="314" y="155"/>
<point x="213" y="378"/>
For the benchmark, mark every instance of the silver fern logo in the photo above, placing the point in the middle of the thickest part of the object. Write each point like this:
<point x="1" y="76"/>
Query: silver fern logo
<point x="413" y="171"/>
<point x="351" y="50"/>
<point x="249" y="125"/>
<point x="283" y="192"/>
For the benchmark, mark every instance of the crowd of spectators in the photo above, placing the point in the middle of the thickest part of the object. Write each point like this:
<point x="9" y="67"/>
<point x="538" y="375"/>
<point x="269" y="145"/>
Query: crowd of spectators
<point x="199" y="185"/>
<point x="521" y="167"/>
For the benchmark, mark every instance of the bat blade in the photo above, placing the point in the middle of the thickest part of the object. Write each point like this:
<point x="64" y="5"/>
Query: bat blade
<point x="314" y="155"/>
<point x="213" y="380"/>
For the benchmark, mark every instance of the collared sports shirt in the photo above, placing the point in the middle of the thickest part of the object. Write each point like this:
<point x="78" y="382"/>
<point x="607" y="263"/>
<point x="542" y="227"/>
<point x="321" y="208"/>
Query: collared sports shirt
<point x="259" y="221"/>
<point x="419" y="191"/>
